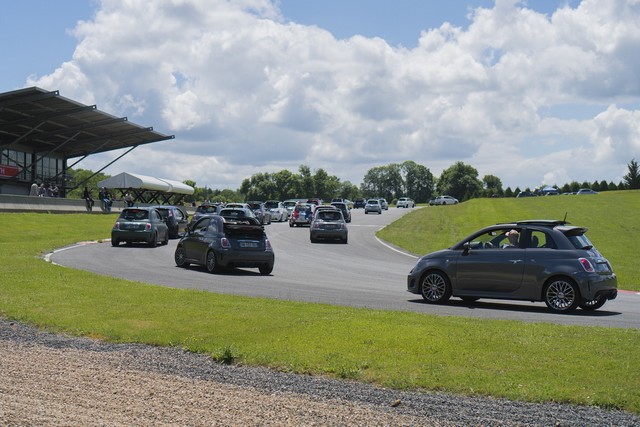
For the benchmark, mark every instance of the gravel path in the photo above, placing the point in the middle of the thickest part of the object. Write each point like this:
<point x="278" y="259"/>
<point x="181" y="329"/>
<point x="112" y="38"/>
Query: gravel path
<point x="54" y="380"/>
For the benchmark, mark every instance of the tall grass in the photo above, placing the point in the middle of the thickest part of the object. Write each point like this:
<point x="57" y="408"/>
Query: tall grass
<point x="613" y="220"/>
<point x="523" y="361"/>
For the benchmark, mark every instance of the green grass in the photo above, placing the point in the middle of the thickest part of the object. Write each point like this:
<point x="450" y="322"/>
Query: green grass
<point x="522" y="361"/>
<point x="613" y="220"/>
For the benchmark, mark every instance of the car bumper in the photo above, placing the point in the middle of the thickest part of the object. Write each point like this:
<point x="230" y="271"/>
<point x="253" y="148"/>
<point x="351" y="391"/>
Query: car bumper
<point x="329" y="234"/>
<point x="593" y="285"/>
<point x="132" y="236"/>
<point x="244" y="258"/>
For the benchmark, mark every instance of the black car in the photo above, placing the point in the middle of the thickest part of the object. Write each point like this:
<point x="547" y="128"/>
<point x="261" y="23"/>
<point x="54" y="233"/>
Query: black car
<point x="346" y="212"/>
<point x="140" y="225"/>
<point x="218" y="242"/>
<point x="176" y="219"/>
<point x="359" y="203"/>
<point x="537" y="260"/>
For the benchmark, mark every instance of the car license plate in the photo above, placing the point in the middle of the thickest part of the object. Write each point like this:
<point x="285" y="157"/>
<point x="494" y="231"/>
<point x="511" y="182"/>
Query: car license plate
<point x="247" y="244"/>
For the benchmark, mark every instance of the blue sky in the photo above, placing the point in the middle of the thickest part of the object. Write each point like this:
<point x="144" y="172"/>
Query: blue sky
<point x="535" y="94"/>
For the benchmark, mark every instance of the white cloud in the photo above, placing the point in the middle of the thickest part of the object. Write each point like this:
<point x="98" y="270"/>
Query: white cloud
<point x="245" y="92"/>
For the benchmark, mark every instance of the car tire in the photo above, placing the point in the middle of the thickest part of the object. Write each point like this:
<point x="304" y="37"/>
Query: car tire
<point x="345" y="240"/>
<point x="265" y="269"/>
<point x="154" y="240"/>
<point x="594" y="304"/>
<point x="561" y="295"/>
<point x="211" y="263"/>
<point x="180" y="257"/>
<point x="115" y="242"/>
<point x="435" y="287"/>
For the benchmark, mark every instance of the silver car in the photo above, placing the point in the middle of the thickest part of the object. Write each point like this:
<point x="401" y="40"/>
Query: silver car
<point x="373" y="205"/>
<point x="328" y="224"/>
<point x="541" y="260"/>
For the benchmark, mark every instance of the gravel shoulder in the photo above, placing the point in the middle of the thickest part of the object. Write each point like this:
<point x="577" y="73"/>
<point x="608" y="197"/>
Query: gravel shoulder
<point x="54" y="380"/>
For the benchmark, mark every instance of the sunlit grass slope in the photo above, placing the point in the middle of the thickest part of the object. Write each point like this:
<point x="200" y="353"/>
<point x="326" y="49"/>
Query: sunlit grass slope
<point x="523" y="361"/>
<point x="613" y="220"/>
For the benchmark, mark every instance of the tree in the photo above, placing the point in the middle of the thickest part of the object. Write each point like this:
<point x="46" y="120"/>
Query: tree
<point x="632" y="179"/>
<point x="492" y="186"/>
<point x="419" y="182"/>
<point x="383" y="181"/>
<point x="460" y="181"/>
<point x="77" y="179"/>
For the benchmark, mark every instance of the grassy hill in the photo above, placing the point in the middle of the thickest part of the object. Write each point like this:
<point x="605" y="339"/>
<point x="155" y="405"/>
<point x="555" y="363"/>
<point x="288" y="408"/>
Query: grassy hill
<point x="613" y="220"/>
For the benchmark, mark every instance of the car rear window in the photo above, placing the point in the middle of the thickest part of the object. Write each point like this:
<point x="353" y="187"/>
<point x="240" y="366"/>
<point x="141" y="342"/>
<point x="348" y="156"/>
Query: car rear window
<point x="134" y="214"/>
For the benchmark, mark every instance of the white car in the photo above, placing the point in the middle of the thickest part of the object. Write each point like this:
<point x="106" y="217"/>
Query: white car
<point x="278" y="211"/>
<point x="405" y="202"/>
<point x="443" y="200"/>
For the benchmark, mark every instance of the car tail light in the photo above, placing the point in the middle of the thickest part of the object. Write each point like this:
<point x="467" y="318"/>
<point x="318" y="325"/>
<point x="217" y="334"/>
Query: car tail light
<point x="267" y="245"/>
<point x="116" y="226"/>
<point x="224" y="242"/>
<point x="586" y="264"/>
<point x="147" y="226"/>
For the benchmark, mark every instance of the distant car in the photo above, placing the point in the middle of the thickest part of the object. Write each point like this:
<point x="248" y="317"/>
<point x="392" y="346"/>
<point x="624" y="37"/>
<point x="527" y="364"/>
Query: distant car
<point x="328" y="224"/>
<point x="260" y="211"/>
<point x="344" y="208"/>
<point x="301" y="215"/>
<point x="373" y="205"/>
<point x="337" y="200"/>
<point x="204" y="209"/>
<point x="526" y="194"/>
<point x="278" y="211"/>
<point x="140" y="225"/>
<point x="175" y="218"/>
<point x="289" y="205"/>
<point x="536" y="260"/>
<point x="384" y="204"/>
<point x="359" y="203"/>
<point x="218" y="242"/>
<point x="443" y="200"/>
<point x="586" y="191"/>
<point x="405" y="202"/>
<point x="234" y="213"/>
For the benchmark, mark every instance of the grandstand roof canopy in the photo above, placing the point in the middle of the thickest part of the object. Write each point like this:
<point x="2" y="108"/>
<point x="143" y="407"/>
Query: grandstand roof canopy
<point x="44" y="122"/>
<point x="142" y="182"/>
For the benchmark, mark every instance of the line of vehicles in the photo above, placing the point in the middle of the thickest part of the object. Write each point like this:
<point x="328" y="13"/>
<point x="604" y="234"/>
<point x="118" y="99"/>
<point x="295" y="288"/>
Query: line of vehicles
<point x="535" y="260"/>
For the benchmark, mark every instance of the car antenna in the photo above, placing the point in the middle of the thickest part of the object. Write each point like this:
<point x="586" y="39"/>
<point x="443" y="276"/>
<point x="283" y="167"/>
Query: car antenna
<point x="565" y="217"/>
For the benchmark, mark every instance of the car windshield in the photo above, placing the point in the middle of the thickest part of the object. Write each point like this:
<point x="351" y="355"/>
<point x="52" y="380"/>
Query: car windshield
<point x="134" y="215"/>
<point x="271" y="205"/>
<point x="206" y="209"/>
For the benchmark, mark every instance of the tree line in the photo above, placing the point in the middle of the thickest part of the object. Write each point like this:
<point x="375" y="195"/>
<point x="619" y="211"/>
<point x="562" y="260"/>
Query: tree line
<point x="395" y="180"/>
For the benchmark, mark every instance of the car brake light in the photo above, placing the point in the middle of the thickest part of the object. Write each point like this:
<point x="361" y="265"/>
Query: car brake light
<point x="224" y="242"/>
<point x="267" y="245"/>
<point x="586" y="264"/>
<point x="147" y="226"/>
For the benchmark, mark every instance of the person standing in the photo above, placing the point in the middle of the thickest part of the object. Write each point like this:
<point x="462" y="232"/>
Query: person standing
<point x="34" y="189"/>
<point x="88" y="199"/>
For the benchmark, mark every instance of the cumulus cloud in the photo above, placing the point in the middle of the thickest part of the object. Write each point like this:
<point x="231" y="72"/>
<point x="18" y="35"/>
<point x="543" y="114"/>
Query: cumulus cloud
<point x="245" y="91"/>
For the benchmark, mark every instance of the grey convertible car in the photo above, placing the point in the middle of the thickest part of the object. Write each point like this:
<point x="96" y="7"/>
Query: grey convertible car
<point x="535" y="260"/>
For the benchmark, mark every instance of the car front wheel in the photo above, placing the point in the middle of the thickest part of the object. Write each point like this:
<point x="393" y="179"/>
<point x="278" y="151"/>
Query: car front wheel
<point x="265" y="269"/>
<point x="435" y="287"/>
<point x="561" y="295"/>
<point x="180" y="257"/>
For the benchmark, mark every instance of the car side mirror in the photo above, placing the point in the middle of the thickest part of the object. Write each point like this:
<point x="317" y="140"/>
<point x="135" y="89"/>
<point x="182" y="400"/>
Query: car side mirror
<point x="466" y="247"/>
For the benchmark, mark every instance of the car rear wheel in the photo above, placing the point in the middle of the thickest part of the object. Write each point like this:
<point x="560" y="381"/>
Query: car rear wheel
<point x="265" y="269"/>
<point x="594" y="304"/>
<point x="561" y="295"/>
<point x="165" y="241"/>
<point x="115" y="242"/>
<point x="211" y="263"/>
<point x="180" y="257"/>
<point x="154" y="240"/>
<point x="435" y="287"/>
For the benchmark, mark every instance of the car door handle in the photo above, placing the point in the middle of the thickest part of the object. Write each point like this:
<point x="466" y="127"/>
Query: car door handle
<point x="515" y="261"/>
